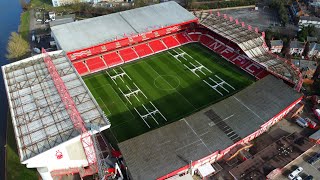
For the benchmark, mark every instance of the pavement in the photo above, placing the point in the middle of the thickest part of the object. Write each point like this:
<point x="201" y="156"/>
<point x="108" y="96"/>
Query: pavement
<point x="301" y="161"/>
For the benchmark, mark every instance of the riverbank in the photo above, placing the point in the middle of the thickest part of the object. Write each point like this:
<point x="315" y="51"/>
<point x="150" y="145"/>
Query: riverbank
<point x="24" y="26"/>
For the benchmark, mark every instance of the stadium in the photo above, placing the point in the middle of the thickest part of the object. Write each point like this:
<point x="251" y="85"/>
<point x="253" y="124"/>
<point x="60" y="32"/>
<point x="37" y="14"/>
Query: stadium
<point x="171" y="90"/>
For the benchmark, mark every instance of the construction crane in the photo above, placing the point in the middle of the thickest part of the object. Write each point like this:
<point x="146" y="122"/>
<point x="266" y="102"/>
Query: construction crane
<point x="89" y="143"/>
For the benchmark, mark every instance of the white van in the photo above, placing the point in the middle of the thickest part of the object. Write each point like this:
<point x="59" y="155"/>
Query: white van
<point x="295" y="173"/>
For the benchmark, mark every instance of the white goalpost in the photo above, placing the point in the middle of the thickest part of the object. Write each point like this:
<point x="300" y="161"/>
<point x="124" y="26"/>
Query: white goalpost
<point x="150" y="113"/>
<point x="214" y="84"/>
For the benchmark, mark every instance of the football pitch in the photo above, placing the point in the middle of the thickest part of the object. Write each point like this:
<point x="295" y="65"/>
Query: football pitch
<point x="163" y="88"/>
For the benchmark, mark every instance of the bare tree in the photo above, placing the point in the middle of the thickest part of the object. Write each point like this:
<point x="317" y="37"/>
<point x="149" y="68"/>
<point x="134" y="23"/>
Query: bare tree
<point x="17" y="47"/>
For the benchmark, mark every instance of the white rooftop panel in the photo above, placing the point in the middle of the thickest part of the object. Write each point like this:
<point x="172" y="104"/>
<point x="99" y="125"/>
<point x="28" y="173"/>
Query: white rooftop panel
<point x="39" y="117"/>
<point x="86" y="33"/>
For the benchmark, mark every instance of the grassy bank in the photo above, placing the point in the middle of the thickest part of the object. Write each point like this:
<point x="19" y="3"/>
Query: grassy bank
<point x="24" y="25"/>
<point x="16" y="170"/>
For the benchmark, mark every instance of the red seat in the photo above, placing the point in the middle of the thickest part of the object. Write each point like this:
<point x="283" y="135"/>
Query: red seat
<point x="181" y="37"/>
<point x="162" y="32"/>
<point x="111" y="46"/>
<point x="143" y="50"/>
<point x="128" y="54"/>
<point x="95" y="63"/>
<point x="81" y="68"/>
<point x="194" y="36"/>
<point x="124" y="42"/>
<point x="170" y="41"/>
<point x="137" y="39"/>
<point x="205" y="40"/>
<point x="112" y="59"/>
<point x="157" y="46"/>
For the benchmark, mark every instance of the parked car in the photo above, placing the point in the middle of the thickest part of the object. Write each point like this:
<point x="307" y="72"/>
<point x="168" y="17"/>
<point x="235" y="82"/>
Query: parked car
<point x="295" y="173"/>
<point x="301" y="122"/>
<point x="309" y="178"/>
<point x="314" y="159"/>
<point x="297" y="178"/>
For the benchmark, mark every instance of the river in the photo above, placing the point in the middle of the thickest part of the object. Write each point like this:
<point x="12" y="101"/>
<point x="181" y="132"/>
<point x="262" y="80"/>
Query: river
<point x="10" y="11"/>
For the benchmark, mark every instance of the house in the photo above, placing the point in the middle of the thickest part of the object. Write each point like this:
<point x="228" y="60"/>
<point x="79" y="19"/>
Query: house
<point x="309" y="21"/>
<point x="312" y="39"/>
<point x="314" y="50"/>
<point x="276" y="46"/>
<point x="306" y="67"/>
<point x="296" y="47"/>
<point x="57" y="3"/>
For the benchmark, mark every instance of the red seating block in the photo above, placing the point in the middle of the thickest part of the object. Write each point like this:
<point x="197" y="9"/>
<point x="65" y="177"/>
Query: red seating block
<point x="124" y="42"/>
<point x="112" y="59"/>
<point x="181" y="37"/>
<point x="170" y="41"/>
<point x="194" y="36"/>
<point x="205" y="40"/>
<point x="143" y="50"/>
<point x="81" y="68"/>
<point x="128" y="54"/>
<point x="157" y="46"/>
<point x="95" y="63"/>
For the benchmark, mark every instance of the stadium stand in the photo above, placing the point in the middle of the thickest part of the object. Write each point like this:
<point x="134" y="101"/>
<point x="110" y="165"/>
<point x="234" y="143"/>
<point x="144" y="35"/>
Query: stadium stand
<point x="170" y="41"/>
<point x="112" y="59"/>
<point x="182" y="38"/>
<point x="95" y="63"/>
<point x="143" y="50"/>
<point x="194" y="36"/>
<point x="157" y="46"/>
<point x="252" y="44"/>
<point x="81" y="68"/>
<point x="205" y="40"/>
<point x="128" y="54"/>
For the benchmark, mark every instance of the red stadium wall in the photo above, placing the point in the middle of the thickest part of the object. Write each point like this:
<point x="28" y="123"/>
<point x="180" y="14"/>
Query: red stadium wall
<point x="220" y="154"/>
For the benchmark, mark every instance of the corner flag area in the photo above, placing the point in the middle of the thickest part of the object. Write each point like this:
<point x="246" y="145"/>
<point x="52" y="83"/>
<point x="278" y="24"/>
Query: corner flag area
<point x="163" y="88"/>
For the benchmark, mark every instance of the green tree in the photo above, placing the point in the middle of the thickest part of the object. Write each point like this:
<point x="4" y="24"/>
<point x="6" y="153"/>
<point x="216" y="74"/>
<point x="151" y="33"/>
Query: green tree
<point x="17" y="47"/>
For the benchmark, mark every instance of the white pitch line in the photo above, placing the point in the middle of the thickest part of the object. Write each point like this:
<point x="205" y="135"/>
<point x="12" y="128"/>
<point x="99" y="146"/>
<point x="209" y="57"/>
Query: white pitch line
<point x="140" y="90"/>
<point x="174" y="56"/>
<point x="158" y="111"/>
<point x="220" y="84"/>
<point x="213" y="87"/>
<point x="111" y="78"/>
<point x="191" y="71"/>
<point x="125" y="96"/>
<point x="150" y="114"/>
<point x="142" y="117"/>
<point x="225" y="82"/>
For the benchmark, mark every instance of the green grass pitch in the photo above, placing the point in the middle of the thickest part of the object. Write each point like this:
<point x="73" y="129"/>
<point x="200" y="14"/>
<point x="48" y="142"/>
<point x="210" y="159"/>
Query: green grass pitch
<point x="171" y="87"/>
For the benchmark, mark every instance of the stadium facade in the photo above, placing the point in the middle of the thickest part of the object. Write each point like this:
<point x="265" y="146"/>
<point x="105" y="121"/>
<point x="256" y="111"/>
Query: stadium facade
<point x="104" y="42"/>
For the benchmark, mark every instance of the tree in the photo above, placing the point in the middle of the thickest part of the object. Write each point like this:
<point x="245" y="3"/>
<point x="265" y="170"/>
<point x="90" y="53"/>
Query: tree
<point x="17" y="47"/>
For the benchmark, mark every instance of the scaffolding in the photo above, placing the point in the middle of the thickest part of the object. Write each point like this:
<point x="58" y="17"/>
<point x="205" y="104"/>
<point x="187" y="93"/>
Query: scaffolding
<point x="46" y="98"/>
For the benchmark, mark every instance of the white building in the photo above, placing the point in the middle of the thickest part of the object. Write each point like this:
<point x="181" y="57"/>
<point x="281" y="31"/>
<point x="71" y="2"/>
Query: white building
<point x="47" y="137"/>
<point x="296" y="47"/>
<point x="276" y="46"/>
<point x="57" y="3"/>
<point x="314" y="50"/>
<point x="309" y="21"/>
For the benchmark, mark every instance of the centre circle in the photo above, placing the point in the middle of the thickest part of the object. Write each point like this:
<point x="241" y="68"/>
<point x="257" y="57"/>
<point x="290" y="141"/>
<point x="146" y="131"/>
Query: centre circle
<point x="167" y="82"/>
